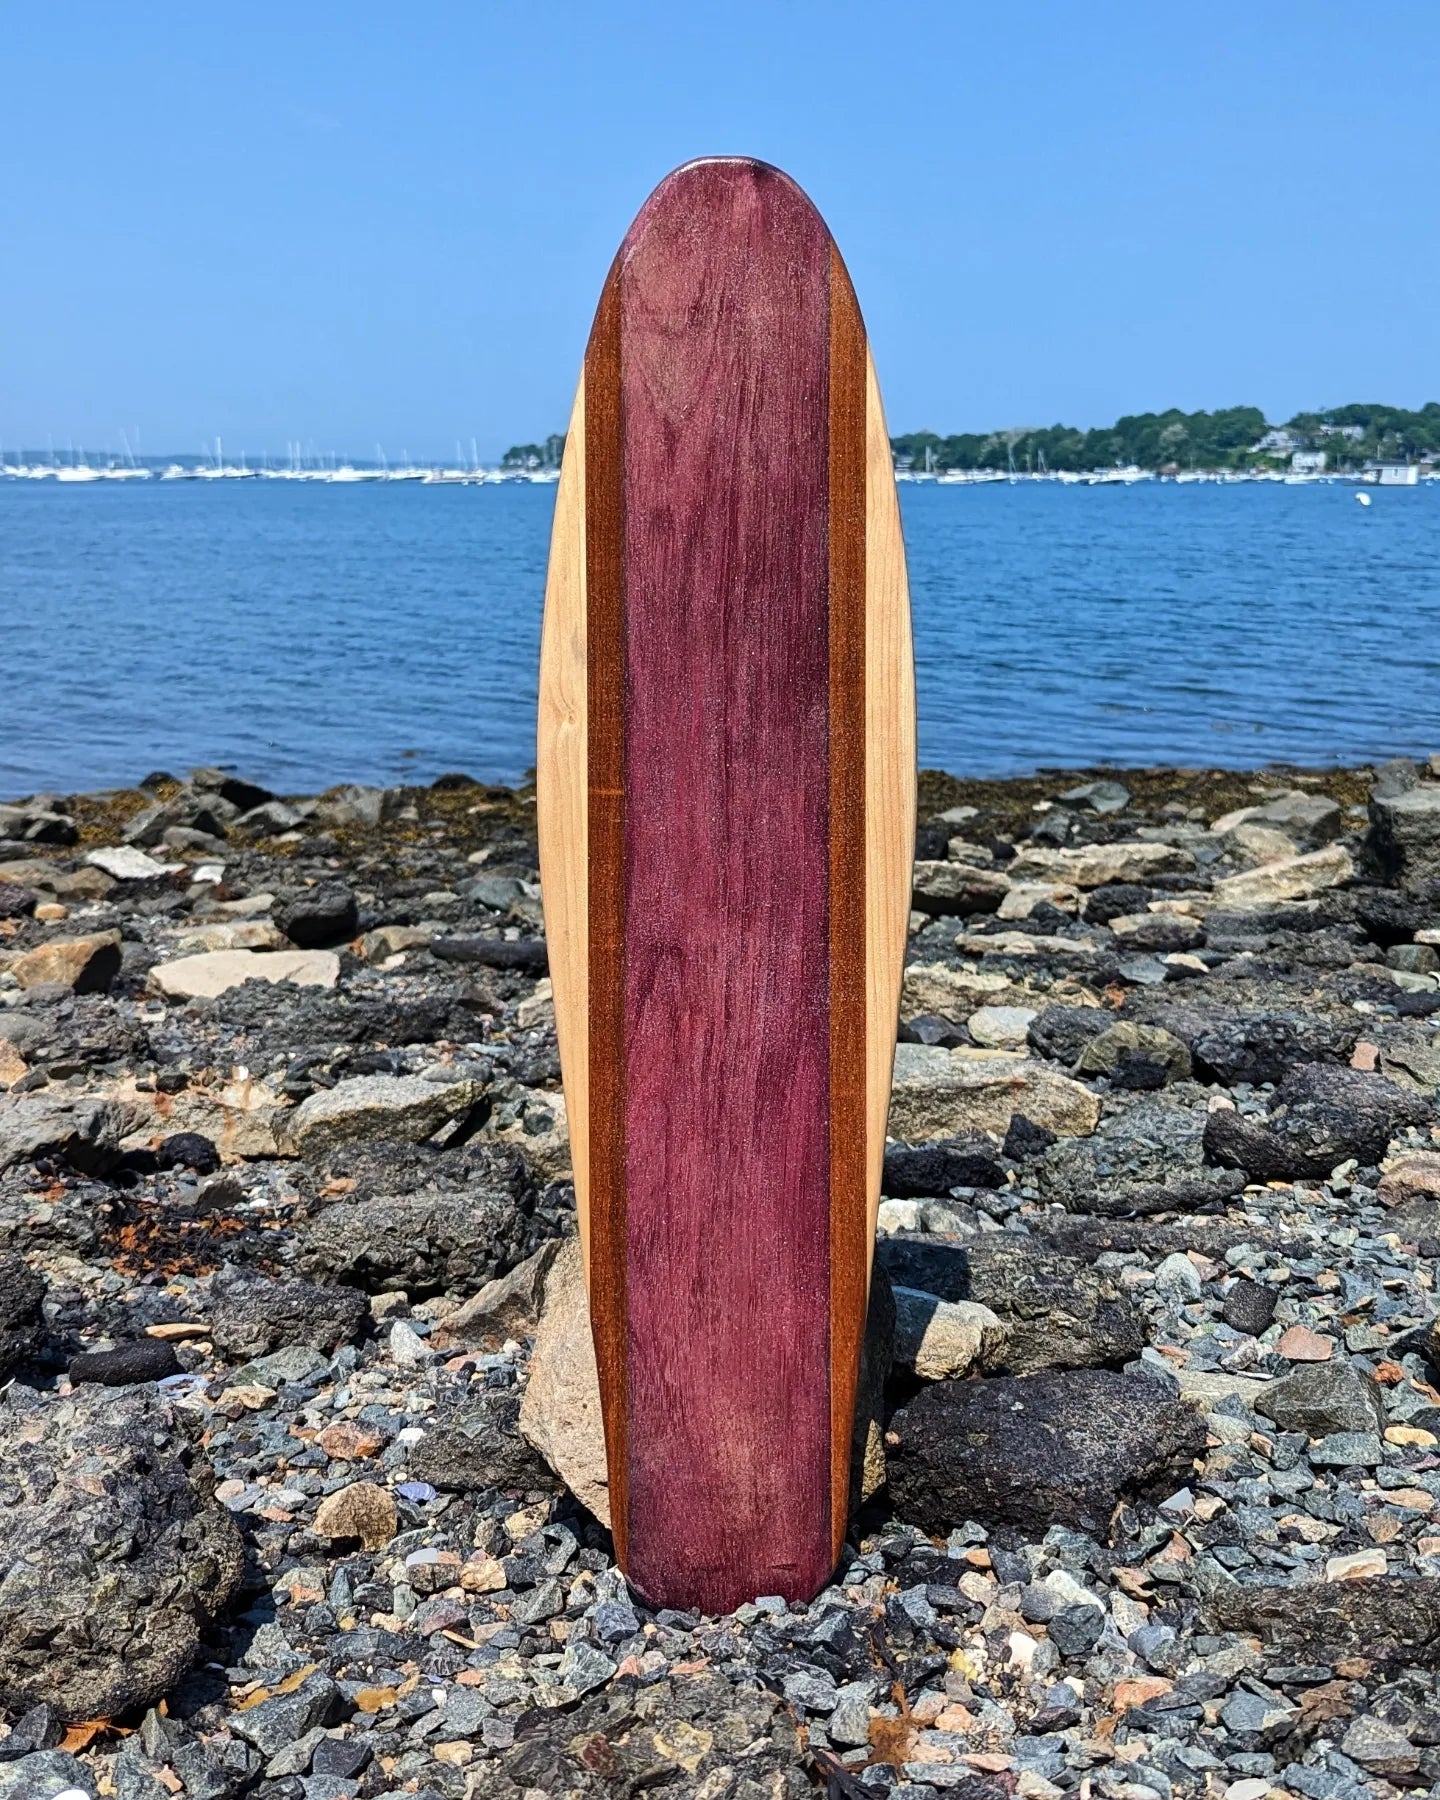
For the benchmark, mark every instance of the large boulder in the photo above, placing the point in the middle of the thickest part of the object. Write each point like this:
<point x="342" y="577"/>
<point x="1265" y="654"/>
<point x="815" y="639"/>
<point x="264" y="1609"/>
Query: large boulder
<point x="938" y="1093"/>
<point x="1289" y="878"/>
<point x="951" y="890"/>
<point x="114" y="1556"/>
<point x="1404" y="838"/>
<point x="215" y="972"/>
<point x="1037" y="1451"/>
<point x="1320" y="1117"/>
<point x="1058" y="1312"/>
<point x="324" y="914"/>
<point x="1308" y="820"/>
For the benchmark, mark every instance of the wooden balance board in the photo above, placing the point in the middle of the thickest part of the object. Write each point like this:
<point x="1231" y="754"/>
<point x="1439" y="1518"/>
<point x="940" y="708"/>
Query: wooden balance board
<point x="726" y="794"/>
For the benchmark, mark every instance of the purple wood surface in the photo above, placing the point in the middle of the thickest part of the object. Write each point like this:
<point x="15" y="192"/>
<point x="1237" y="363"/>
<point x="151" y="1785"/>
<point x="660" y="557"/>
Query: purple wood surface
<point x="724" y="389"/>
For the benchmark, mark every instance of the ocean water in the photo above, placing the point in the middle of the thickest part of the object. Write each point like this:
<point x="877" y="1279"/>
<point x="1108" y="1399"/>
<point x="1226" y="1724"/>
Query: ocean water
<point x="307" y="634"/>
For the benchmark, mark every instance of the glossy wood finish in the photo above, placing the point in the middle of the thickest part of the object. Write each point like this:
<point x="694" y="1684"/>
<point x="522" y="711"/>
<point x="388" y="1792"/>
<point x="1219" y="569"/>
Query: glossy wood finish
<point x="726" y="971"/>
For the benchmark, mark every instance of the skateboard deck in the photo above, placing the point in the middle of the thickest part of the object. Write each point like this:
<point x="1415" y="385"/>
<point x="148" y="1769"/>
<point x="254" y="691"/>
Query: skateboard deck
<point x="726" y="803"/>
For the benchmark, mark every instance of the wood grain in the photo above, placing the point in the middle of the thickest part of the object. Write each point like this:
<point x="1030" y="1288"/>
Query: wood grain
<point x="726" y="679"/>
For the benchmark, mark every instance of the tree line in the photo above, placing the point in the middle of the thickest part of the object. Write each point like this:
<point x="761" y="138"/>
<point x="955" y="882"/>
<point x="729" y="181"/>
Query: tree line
<point x="1234" y="437"/>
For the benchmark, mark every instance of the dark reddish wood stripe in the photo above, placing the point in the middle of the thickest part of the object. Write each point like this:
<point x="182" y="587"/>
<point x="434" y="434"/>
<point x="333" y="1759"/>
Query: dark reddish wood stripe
<point x="849" y="1219"/>
<point x="605" y="660"/>
<point x="724" y="353"/>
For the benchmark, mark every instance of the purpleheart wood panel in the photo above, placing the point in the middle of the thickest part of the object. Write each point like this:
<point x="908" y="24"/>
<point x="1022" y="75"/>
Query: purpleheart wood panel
<point x="724" y="393"/>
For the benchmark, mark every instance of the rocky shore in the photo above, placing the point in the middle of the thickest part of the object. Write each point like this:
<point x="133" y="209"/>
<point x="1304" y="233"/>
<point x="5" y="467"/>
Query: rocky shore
<point x="301" y="1488"/>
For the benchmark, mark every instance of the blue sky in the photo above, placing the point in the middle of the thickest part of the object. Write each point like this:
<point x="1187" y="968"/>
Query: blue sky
<point x="362" y="223"/>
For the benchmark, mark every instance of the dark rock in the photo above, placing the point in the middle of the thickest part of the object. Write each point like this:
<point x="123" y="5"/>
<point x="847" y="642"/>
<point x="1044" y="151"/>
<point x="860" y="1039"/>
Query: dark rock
<point x="1147" y="1157"/>
<point x="243" y="795"/>
<point x="251" y="1314"/>
<point x="1161" y="934"/>
<point x="1389" y="918"/>
<point x="417" y="1242"/>
<point x="951" y="890"/>
<point x="17" y="902"/>
<point x="1062" y="1032"/>
<point x="114" y="1558"/>
<point x="189" y="810"/>
<point x="526" y="954"/>
<point x="1321" y="1398"/>
<point x="1404" y="838"/>
<point x="931" y="1170"/>
<point x="1250" y="1306"/>
<point x="1261" y="1047"/>
<point x="1388" y="1619"/>
<point x="1024" y="1138"/>
<point x="325" y="914"/>
<point x="479" y="1446"/>
<point x="1037" y="1451"/>
<point x="1060" y="1312"/>
<point x="188" y="1150"/>
<point x="1320" y="1117"/>
<point x="1075" y="1630"/>
<point x="1117" y="899"/>
<point x="22" y="1325"/>
<point x="144" y="1359"/>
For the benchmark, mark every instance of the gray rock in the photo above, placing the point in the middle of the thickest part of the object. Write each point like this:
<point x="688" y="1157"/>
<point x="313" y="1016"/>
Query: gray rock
<point x="420" y="1243"/>
<point x="296" y="1362"/>
<point x="1146" y="1157"/>
<point x="1264" y="1046"/>
<point x="1395" y="1619"/>
<point x="478" y="1445"/>
<point x="1058" y="1311"/>
<point x="508" y="1307"/>
<point x="1321" y="1398"/>
<point x="1348" y="1449"/>
<point x="584" y="1667"/>
<point x="1042" y="1450"/>
<point x="352" y="805"/>
<point x="1404" y="837"/>
<point x="951" y="890"/>
<point x="114" y="1557"/>
<point x="1379" y="1746"/>
<point x="251" y="1314"/>
<point x="84" y="1133"/>
<point x="1062" y="1032"/>
<point x="22" y="1325"/>
<point x="189" y="810"/>
<point x="377" y="1106"/>
<point x="1100" y="796"/>
<point x="283" y="1718"/>
<point x="1124" y="1045"/>
<point x="44" y="1775"/>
